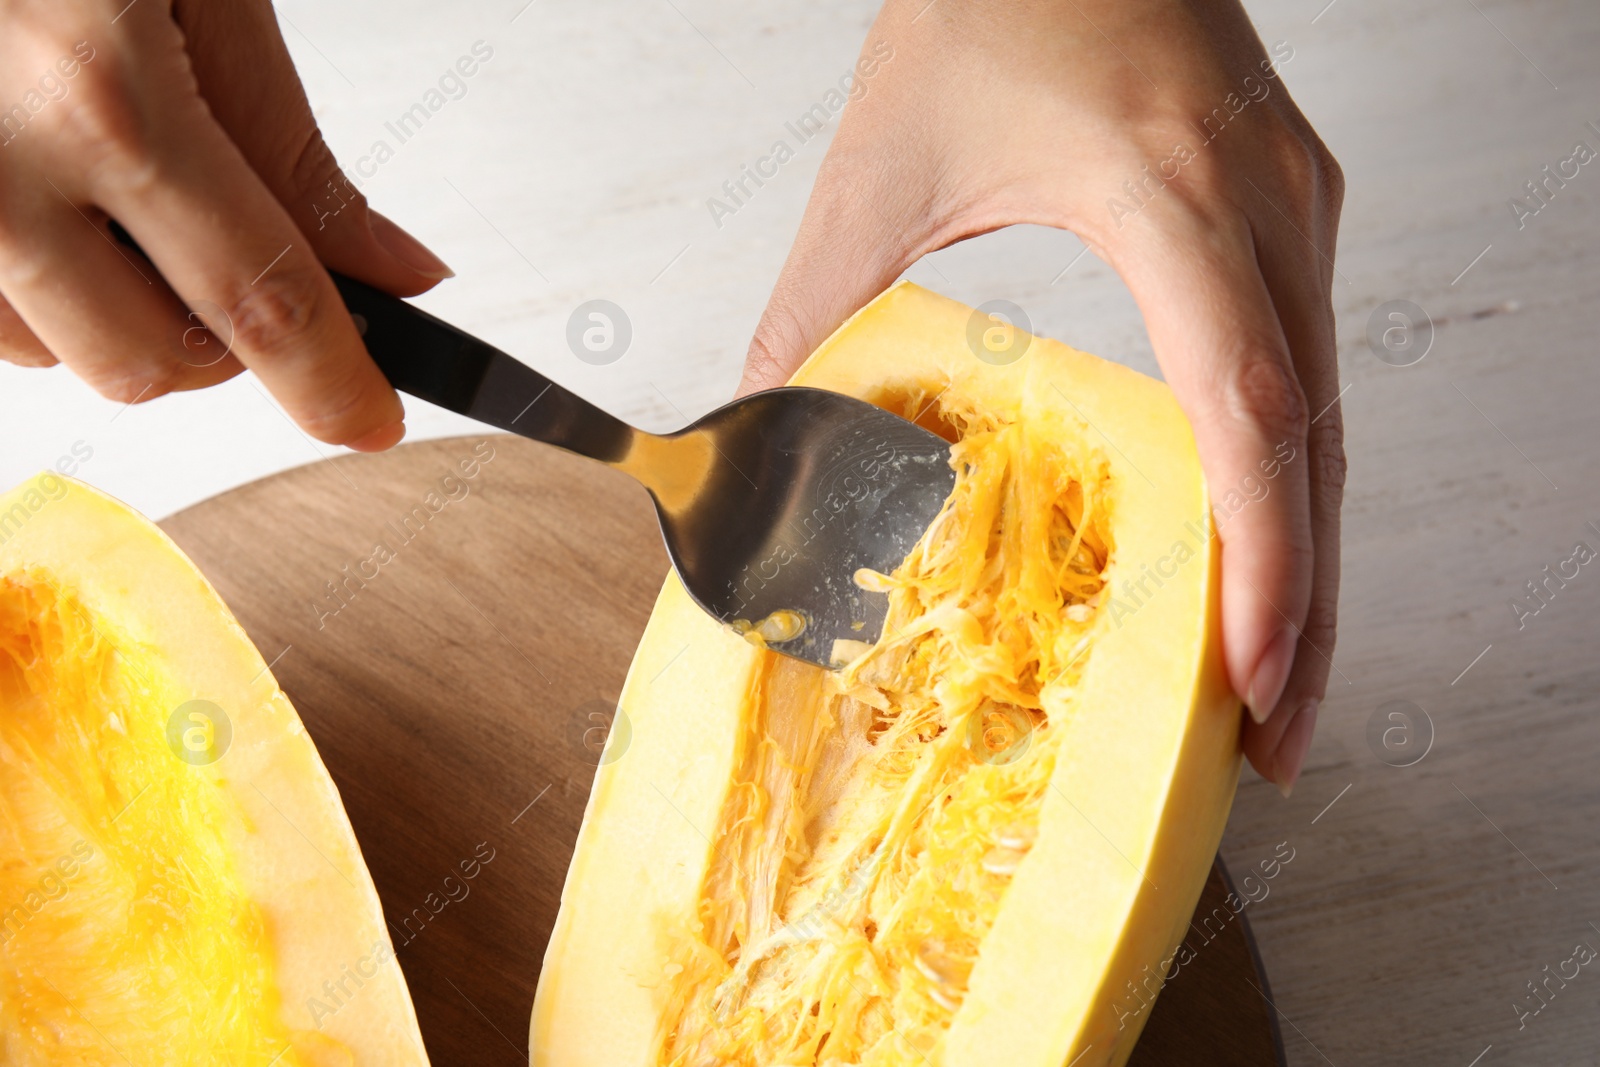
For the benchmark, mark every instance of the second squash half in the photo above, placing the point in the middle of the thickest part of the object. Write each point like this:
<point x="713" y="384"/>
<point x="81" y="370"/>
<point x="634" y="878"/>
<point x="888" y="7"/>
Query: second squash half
<point x="961" y="848"/>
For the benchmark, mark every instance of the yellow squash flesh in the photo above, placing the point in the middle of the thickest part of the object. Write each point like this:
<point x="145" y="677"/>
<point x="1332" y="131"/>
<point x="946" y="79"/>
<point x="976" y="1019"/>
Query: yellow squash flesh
<point x="978" y="843"/>
<point x="179" y="883"/>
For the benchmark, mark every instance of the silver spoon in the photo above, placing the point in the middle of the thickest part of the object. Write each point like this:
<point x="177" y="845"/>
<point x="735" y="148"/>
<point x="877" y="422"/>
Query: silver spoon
<point x="769" y="506"/>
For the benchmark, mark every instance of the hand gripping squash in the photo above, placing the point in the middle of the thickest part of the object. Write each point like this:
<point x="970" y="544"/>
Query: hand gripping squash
<point x="969" y="846"/>
<point x="179" y="884"/>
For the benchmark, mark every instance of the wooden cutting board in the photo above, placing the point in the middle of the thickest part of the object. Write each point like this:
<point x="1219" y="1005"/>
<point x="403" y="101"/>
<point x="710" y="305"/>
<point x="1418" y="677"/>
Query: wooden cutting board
<point x="453" y="620"/>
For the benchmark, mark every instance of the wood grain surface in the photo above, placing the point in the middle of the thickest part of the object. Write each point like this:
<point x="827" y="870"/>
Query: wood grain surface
<point x="459" y="690"/>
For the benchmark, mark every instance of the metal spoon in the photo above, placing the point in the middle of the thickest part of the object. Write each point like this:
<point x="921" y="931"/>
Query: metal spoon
<point x="768" y="505"/>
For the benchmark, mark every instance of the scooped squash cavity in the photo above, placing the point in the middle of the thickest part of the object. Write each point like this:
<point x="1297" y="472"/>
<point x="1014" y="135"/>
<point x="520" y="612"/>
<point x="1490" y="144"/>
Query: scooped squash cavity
<point x="962" y="848"/>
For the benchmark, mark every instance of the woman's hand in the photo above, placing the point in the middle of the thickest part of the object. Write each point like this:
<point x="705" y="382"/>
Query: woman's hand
<point x="1161" y="134"/>
<point x="186" y="123"/>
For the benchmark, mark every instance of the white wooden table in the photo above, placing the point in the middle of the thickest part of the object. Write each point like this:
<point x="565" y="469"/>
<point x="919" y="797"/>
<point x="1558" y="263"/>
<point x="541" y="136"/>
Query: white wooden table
<point x="1421" y="899"/>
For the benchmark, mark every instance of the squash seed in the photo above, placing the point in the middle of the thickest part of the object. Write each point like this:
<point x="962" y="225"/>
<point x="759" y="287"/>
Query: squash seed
<point x="947" y="1001"/>
<point x="1003" y="861"/>
<point x="939" y="966"/>
<point x="872" y="581"/>
<point x="1019" y="837"/>
<point x="783" y="625"/>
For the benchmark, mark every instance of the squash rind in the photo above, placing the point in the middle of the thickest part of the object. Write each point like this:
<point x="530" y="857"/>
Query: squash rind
<point x="1142" y="787"/>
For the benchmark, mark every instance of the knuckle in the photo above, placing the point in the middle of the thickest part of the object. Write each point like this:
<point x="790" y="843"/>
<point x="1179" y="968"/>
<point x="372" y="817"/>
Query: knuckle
<point x="20" y="271"/>
<point x="1296" y="177"/>
<point x="18" y="344"/>
<point x="343" y="413"/>
<point x="1202" y="188"/>
<point x="1295" y="162"/>
<point x="1264" y="393"/>
<point x="1331" y="174"/>
<point x="24" y="355"/>
<point x="311" y="161"/>
<point x="276" y="311"/>
<point x="105" y="118"/>
<point x="1322" y="624"/>
<point x="1309" y="173"/>
<point x="764" y="366"/>
<point x="131" y="385"/>
<point x="14" y="212"/>
<point x="780" y="341"/>
<point x="313" y="178"/>
<point x="1327" y="449"/>
<point x="121" y="127"/>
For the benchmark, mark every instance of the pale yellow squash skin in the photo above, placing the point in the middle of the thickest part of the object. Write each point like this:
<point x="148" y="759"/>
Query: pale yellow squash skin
<point x="291" y="843"/>
<point x="1142" y="787"/>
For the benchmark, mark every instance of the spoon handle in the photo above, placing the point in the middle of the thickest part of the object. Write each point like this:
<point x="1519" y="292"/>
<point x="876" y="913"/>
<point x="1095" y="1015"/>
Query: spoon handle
<point x="434" y="361"/>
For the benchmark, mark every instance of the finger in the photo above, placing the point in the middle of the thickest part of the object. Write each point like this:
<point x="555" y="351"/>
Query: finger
<point x="95" y="307"/>
<point x="854" y="241"/>
<point x="222" y="241"/>
<point x="1277" y="748"/>
<point x="1216" y="334"/>
<point x="249" y="81"/>
<point x="18" y="344"/>
<point x="1298" y="227"/>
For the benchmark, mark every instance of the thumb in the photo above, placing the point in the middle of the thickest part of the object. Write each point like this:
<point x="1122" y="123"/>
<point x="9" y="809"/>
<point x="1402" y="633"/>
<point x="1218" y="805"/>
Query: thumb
<point x="247" y="78"/>
<point x="859" y="233"/>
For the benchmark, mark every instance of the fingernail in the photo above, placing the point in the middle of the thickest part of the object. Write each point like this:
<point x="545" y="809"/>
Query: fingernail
<point x="1292" y="749"/>
<point x="1272" y="673"/>
<point x="407" y="249"/>
<point x="379" y="439"/>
